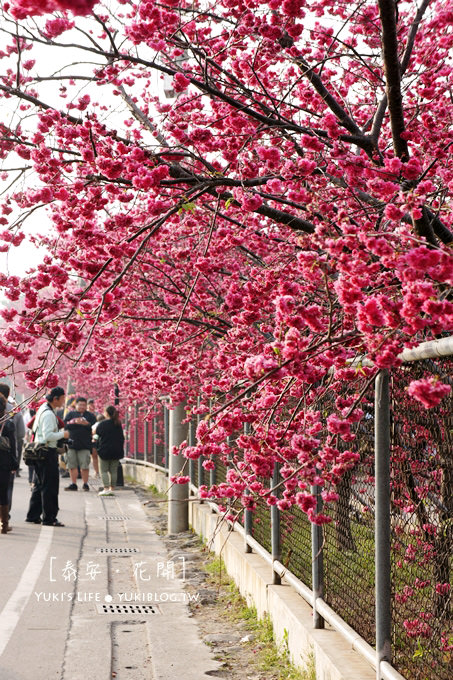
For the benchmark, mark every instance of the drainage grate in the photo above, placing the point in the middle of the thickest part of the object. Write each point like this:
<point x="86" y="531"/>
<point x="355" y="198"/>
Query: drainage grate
<point x="114" y="518"/>
<point x="128" y="609"/>
<point x="118" y="551"/>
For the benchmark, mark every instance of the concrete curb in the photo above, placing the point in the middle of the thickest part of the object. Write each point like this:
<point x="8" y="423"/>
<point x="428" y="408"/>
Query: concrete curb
<point x="291" y="616"/>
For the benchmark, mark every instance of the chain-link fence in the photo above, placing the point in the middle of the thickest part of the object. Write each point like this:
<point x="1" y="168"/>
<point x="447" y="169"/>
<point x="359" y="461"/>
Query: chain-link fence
<point x="422" y="529"/>
<point x="295" y="543"/>
<point x="261" y="524"/>
<point x="421" y="524"/>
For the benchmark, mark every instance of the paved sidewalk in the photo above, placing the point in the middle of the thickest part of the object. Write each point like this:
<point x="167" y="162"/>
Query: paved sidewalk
<point x="95" y="600"/>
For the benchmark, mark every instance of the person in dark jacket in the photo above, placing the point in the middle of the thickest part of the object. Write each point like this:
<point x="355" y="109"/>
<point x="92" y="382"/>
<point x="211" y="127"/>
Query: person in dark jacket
<point x="79" y="423"/>
<point x="8" y="430"/>
<point x="16" y="416"/>
<point x="109" y="439"/>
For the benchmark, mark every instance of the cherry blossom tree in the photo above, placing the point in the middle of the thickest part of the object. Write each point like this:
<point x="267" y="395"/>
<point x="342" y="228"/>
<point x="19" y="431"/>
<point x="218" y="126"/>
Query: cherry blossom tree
<point x="239" y="244"/>
<point x="288" y="211"/>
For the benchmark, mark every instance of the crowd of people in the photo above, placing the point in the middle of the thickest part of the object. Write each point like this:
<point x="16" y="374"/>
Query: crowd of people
<point x="70" y="435"/>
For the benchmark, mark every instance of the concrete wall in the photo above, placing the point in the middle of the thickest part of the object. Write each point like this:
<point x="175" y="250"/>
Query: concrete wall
<point x="146" y="475"/>
<point x="290" y="614"/>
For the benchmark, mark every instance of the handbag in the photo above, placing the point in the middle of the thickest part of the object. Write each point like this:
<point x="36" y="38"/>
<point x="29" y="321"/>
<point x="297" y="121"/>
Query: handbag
<point x="8" y="460"/>
<point x="33" y="452"/>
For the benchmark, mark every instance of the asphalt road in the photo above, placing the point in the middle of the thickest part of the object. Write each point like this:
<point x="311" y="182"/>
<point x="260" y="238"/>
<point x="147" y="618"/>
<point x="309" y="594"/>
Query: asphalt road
<point x="95" y="600"/>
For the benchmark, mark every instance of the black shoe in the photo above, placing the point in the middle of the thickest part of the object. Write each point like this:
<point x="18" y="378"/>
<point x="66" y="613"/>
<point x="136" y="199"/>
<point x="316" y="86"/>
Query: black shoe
<point x="55" y="523"/>
<point x="33" y="521"/>
<point x="85" y="487"/>
<point x="71" y="487"/>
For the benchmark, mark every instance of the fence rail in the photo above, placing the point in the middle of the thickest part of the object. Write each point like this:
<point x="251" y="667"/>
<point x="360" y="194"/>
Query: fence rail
<point x="384" y="564"/>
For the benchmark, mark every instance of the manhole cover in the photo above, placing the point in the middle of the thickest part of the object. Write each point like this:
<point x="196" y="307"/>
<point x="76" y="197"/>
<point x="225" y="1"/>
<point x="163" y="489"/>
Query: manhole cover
<point x="114" y="518"/>
<point x="118" y="551"/>
<point x="128" y="609"/>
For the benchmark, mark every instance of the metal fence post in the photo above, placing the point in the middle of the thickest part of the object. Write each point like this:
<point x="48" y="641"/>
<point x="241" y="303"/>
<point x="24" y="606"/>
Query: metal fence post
<point x="275" y="527"/>
<point x="135" y="430"/>
<point x="200" y="460"/>
<point x="192" y="443"/>
<point x="248" y="516"/>
<point x="213" y="473"/>
<point x="155" y="440"/>
<point x="317" y="563"/>
<point x="382" y="520"/>
<point x="200" y="471"/>
<point x="145" y="440"/>
<point x="166" y="437"/>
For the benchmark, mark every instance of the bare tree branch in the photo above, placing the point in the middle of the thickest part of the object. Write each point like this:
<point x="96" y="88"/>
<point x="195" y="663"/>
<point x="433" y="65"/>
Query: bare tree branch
<point x="393" y="76"/>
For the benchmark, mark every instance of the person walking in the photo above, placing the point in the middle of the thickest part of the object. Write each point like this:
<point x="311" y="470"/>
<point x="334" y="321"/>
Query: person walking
<point x="79" y="423"/>
<point x="44" y="496"/>
<point x="94" y="451"/>
<point x="8" y="438"/>
<point x="17" y="418"/>
<point x="109" y="439"/>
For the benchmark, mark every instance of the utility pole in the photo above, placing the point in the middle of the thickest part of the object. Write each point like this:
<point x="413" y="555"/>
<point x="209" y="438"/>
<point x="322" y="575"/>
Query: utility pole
<point x="178" y="504"/>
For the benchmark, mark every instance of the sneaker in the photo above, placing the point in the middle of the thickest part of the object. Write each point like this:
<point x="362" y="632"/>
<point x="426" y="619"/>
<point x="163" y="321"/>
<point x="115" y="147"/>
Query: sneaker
<point x="106" y="492"/>
<point x="85" y="487"/>
<point x="71" y="487"/>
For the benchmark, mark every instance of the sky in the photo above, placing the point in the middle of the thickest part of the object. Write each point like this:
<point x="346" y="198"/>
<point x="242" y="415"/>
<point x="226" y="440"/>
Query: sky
<point x="18" y="260"/>
<point x="49" y="62"/>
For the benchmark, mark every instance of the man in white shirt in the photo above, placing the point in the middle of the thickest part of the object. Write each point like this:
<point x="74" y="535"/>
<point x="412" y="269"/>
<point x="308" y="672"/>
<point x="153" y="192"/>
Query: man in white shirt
<point x="44" y="497"/>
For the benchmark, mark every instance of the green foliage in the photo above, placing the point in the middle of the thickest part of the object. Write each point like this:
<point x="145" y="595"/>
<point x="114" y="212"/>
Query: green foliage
<point x="419" y="652"/>
<point x="187" y="207"/>
<point x="216" y="569"/>
<point x="276" y="658"/>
